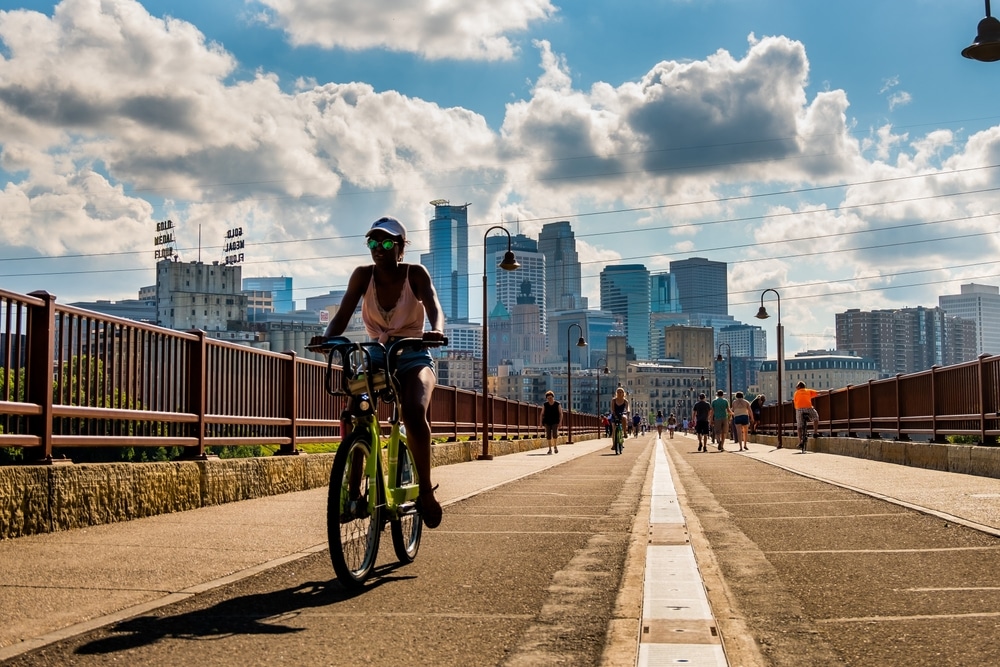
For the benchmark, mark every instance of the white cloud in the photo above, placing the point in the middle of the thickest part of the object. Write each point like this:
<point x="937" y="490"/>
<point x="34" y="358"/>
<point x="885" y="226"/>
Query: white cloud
<point x="899" y="99"/>
<point x="111" y="119"/>
<point x="456" y="29"/>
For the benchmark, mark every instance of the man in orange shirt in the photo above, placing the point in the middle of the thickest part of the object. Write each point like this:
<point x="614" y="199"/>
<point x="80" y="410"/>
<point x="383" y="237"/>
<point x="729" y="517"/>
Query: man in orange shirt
<point x="803" y="401"/>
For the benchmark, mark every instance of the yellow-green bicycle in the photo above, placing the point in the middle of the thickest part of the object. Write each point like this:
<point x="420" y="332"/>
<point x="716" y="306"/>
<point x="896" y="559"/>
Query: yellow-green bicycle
<point x="372" y="482"/>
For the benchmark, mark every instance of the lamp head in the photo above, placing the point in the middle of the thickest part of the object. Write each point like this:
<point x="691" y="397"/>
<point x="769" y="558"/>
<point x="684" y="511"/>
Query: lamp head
<point x="606" y="370"/>
<point x="719" y="357"/>
<point x="762" y="314"/>
<point x="509" y="262"/>
<point x="581" y="342"/>
<point x="986" y="47"/>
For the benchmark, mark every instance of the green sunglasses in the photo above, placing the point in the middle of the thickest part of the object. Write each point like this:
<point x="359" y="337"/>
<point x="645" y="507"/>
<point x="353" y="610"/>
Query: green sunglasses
<point x="387" y="244"/>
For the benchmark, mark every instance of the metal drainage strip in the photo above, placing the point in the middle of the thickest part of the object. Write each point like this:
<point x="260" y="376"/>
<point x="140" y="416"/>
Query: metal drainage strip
<point x="677" y="622"/>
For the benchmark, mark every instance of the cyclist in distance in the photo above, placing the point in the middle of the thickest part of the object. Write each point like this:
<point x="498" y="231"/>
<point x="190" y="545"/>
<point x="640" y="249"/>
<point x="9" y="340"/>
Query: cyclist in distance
<point x="395" y="299"/>
<point x="619" y="408"/>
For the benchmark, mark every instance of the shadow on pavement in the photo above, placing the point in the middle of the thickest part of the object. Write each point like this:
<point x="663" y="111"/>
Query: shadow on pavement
<point x="258" y="614"/>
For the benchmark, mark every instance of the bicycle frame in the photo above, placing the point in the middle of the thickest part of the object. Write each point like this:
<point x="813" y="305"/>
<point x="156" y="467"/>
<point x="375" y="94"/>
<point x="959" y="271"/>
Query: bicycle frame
<point x="387" y="466"/>
<point x="398" y="494"/>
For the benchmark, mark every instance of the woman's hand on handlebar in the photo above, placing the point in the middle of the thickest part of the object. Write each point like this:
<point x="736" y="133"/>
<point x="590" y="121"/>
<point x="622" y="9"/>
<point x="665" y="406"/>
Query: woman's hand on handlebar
<point x="434" y="336"/>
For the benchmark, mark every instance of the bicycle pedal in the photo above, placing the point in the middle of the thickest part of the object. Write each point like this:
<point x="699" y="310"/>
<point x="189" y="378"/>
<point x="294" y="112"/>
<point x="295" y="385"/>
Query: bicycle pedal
<point x="407" y="508"/>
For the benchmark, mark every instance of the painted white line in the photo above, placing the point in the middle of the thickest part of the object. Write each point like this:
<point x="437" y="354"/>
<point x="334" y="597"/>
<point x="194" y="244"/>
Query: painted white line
<point x="674" y="596"/>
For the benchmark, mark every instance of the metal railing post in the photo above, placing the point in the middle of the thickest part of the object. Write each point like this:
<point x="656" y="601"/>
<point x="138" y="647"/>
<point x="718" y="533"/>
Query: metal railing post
<point x="198" y="391"/>
<point x="40" y="369"/>
<point x="291" y="405"/>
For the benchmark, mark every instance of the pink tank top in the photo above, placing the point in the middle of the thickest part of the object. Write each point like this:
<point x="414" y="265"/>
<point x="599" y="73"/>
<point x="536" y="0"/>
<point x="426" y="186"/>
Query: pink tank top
<point x="403" y="320"/>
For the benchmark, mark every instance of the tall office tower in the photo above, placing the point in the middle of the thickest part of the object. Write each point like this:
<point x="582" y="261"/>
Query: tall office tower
<point x="563" y="289"/>
<point x="527" y="340"/>
<point x="906" y="340"/>
<point x="508" y="284"/>
<point x="980" y="303"/>
<point x="872" y="335"/>
<point x="702" y="285"/>
<point x="663" y="294"/>
<point x="279" y="287"/>
<point x="448" y="259"/>
<point x="625" y="293"/>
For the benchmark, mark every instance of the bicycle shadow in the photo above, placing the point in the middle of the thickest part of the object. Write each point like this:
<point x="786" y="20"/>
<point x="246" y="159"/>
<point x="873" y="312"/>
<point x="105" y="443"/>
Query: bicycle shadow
<point x="256" y="614"/>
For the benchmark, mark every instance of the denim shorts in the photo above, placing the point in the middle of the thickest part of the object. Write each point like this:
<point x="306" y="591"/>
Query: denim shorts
<point x="409" y="359"/>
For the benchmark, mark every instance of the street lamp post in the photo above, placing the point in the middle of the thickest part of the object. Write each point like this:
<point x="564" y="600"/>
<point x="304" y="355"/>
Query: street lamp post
<point x="569" y="380"/>
<point x="729" y="360"/>
<point x="509" y="263"/>
<point x="986" y="47"/>
<point x="602" y="367"/>
<point x="762" y="315"/>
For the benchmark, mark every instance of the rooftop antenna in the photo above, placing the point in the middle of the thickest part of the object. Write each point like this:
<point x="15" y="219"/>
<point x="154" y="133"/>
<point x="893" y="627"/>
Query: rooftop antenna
<point x="199" y="243"/>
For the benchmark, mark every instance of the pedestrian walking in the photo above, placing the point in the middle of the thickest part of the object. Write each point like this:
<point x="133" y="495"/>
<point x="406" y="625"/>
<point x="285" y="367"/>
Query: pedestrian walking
<point x="720" y="419"/>
<point x="700" y="415"/>
<point x="551" y="418"/>
<point x="742" y="416"/>
<point x="671" y="424"/>
<point x="659" y="424"/>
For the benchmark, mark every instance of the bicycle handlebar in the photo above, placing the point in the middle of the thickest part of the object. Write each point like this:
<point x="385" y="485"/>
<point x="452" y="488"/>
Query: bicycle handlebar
<point x="344" y="346"/>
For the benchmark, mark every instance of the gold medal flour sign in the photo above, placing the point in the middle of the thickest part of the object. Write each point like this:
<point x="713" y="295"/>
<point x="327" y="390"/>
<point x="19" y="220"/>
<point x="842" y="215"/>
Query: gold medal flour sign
<point x="163" y="242"/>
<point x="234" y="245"/>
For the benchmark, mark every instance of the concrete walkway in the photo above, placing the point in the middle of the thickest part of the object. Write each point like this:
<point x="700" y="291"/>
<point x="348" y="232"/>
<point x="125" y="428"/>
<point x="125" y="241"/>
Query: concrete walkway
<point x="62" y="584"/>
<point x="965" y="499"/>
<point x="59" y="585"/>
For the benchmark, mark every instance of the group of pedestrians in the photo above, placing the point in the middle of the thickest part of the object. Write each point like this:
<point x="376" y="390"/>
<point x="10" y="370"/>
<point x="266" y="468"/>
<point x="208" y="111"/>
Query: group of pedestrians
<point x="712" y="420"/>
<point x="670" y="421"/>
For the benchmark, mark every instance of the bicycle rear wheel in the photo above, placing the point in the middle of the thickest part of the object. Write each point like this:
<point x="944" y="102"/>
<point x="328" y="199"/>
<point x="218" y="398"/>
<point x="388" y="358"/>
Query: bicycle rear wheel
<point x="407" y="528"/>
<point x="353" y="527"/>
<point x="619" y="438"/>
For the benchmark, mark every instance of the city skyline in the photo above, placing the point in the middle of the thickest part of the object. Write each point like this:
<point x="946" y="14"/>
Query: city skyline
<point x="742" y="133"/>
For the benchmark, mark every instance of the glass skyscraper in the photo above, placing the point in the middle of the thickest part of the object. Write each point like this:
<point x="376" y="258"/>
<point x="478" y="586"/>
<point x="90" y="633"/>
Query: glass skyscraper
<point x="507" y="286"/>
<point x="663" y="294"/>
<point x="625" y="293"/>
<point x="702" y="285"/>
<point x="563" y="289"/>
<point x="448" y="259"/>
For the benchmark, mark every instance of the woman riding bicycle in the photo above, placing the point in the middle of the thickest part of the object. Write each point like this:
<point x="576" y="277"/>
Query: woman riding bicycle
<point x="619" y="408"/>
<point x="395" y="298"/>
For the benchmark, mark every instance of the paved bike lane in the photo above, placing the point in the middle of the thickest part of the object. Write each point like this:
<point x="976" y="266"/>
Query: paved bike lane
<point x="828" y="560"/>
<point x="529" y="565"/>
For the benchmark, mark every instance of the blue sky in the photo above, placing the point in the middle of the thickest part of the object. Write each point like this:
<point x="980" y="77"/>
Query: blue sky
<point x="842" y="153"/>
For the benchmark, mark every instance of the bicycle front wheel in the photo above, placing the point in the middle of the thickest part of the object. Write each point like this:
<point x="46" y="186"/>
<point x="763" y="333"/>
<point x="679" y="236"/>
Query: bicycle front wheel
<point x="407" y="528"/>
<point x="353" y="512"/>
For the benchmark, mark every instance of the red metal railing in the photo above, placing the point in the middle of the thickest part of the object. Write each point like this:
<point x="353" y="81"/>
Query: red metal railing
<point x="74" y="378"/>
<point x="953" y="400"/>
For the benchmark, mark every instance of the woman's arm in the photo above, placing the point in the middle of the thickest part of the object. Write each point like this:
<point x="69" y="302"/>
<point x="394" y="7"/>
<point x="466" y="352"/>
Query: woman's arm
<point x="356" y="287"/>
<point x="423" y="289"/>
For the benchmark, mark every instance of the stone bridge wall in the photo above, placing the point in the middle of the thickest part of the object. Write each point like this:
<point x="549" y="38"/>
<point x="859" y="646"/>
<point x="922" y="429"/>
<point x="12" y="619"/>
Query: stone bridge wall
<point x="43" y="499"/>
<point x="965" y="459"/>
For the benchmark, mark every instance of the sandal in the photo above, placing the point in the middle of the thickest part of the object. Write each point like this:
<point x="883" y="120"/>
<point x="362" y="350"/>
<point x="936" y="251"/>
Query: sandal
<point x="429" y="508"/>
